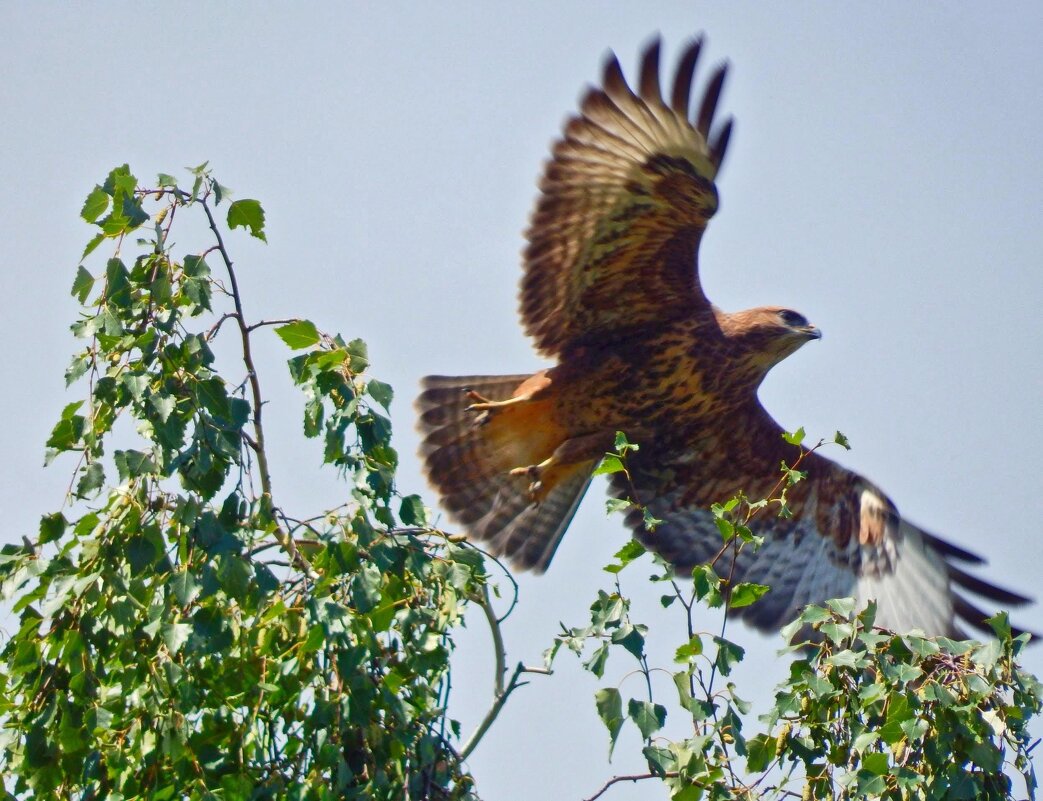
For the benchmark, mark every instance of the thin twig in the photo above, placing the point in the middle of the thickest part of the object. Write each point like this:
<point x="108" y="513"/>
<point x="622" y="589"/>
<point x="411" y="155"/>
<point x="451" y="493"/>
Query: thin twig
<point x="636" y="777"/>
<point x="263" y="323"/>
<point x="498" y="703"/>
<point x="217" y="326"/>
<point x="500" y="692"/>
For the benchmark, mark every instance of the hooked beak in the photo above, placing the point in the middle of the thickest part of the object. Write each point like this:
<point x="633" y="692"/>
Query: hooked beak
<point x="812" y="332"/>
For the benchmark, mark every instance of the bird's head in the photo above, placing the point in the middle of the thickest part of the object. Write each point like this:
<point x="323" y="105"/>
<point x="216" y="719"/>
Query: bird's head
<point x="766" y="335"/>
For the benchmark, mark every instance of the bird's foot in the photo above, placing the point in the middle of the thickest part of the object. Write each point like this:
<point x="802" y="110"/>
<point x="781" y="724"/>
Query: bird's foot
<point x="534" y="472"/>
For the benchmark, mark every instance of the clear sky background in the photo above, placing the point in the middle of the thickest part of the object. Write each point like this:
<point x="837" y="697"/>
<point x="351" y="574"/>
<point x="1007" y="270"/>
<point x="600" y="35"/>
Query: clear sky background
<point x="885" y="178"/>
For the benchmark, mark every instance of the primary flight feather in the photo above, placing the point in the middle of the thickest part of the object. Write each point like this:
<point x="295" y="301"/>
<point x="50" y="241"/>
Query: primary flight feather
<point x="611" y="290"/>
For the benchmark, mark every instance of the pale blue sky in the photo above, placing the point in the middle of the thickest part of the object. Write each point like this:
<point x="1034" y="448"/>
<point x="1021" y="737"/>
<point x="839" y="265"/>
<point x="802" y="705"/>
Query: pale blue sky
<point x="885" y="178"/>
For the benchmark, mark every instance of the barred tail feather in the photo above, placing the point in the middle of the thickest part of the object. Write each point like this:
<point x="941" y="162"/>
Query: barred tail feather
<point x="469" y="465"/>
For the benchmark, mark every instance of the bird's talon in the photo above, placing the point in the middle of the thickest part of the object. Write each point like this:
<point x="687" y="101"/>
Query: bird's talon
<point x="470" y="393"/>
<point x="534" y="473"/>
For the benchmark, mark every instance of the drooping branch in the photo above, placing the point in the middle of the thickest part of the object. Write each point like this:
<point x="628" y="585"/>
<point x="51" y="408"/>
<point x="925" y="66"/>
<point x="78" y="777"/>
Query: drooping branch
<point x="500" y="692"/>
<point x="258" y="443"/>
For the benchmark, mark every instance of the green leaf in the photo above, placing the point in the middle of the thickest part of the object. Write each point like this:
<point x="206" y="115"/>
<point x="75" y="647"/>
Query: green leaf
<point x="876" y="763"/>
<point x="136" y="384"/>
<point x="68" y="432"/>
<point x="163" y="405"/>
<point x="613" y="505"/>
<point x="632" y="638"/>
<point x="247" y="213"/>
<point x="95" y="205"/>
<point x="630" y="551"/>
<point x="610" y="463"/>
<point x="175" y="635"/>
<point x="81" y="287"/>
<point x="1000" y="623"/>
<point x="841" y="440"/>
<point x="796" y="438"/>
<point x="596" y="663"/>
<point x="131" y="209"/>
<point x="220" y="193"/>
<point x="898" y="711"/>
<point x="185" y="587"/>
<point x="707" y="585"/>
<point x="760" y="752"/>
<point x="842" y="606"/>
<point x="746" y="593"/>
<point x="380" y="392"/>
<point x="650" y="522"/>
<point x="120" y="179"/>
<point x="91" y="481"/>
<point x="687" y="792"/>
<point x="166" y="181"/>
<point x="411" y="512"/>
<point x="610" y="709"/>
<point x="814" y="614"/>
<point x="690" y="650"/>
<point x="358" y="355"/>
<point x="131" y="464"/>
<point x="728" y="655"/>
<point x="649" y="717"/>
<point x="299" y="334"/>
<point x="52" y="526"/>
<point x="872" y="786"/>
<point x="683" y="683"/>
<point x="96" y="240"/>
<point x="661" y="761"/>
<point x="622" y="445"/>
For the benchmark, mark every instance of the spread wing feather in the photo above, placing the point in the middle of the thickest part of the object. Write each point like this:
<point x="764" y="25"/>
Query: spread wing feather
<point x="624" y="201"/>
<point x="845" y="539"/>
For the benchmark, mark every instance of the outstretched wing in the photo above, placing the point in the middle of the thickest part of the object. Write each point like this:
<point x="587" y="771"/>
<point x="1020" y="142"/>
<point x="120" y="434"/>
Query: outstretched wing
<point x="624" y="202"/>
<point x="845" y="539"/>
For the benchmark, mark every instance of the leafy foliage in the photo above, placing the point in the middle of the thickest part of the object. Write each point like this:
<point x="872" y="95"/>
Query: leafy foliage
<point x="864" y="714"/>
<point x="872" y="714"/>
<point x="175" y="641"/>
<point x="182" y="635"/>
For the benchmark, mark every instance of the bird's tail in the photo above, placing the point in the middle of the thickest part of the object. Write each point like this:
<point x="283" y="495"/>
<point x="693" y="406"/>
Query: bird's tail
<point x="468" y="457"/>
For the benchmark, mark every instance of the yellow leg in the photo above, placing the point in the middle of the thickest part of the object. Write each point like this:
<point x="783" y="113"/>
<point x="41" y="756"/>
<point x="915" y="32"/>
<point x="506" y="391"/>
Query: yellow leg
<point x="482" y="404"/>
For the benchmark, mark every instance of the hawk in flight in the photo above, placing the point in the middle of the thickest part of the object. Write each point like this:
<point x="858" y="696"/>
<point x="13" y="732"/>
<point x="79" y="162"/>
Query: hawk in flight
<point x="611" y="291"/>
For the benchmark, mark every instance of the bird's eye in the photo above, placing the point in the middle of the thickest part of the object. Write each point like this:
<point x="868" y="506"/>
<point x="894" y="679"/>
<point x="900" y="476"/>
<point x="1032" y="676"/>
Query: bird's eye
<point x="792" y="318"/>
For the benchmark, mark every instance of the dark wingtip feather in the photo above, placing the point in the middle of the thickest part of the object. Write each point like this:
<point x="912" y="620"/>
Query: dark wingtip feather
<point x="986" y="590"/>
<point x="946" y="548"/>
<point x="682" y="91"/>
<point x="976" y="618"/>
<point x="649" y="80"/>
<point x="710" y="98"/>
<point x="612" y="75"/>
<point x="719" y="146"/>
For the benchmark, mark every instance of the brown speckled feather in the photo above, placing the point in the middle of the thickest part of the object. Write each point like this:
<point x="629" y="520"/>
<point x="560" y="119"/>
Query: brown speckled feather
<point x="623" y="204"/>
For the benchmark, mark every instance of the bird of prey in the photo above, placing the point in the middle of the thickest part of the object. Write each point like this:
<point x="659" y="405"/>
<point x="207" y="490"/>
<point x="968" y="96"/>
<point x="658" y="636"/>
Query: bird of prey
<point x="611" y="291"/>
